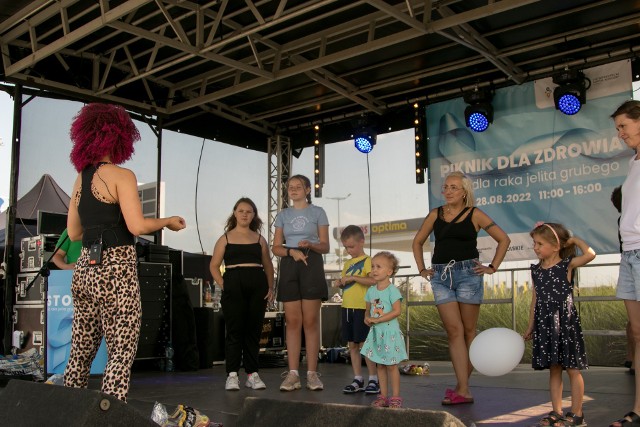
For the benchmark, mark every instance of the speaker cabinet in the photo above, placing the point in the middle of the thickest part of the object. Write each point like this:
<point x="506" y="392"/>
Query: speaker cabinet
<point x="27" y="403"/>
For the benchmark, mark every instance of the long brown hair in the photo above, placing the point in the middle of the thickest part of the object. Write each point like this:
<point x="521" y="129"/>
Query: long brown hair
<point x="256" y="222"/>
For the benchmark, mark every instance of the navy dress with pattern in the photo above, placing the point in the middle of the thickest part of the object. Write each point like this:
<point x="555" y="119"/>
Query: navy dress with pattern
<point x="557" y="333"/>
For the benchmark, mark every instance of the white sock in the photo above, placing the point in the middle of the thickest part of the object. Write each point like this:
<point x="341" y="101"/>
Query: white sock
<point x="294" y="371"/>
<point x="359" y="378"/>
<point x="373" y="378"/>
<point x="233" y="374"/>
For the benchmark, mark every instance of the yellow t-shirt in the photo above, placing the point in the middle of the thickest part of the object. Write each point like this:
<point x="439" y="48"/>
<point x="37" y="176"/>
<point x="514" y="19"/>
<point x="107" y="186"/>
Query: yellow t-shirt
<point x="353" y="293"/>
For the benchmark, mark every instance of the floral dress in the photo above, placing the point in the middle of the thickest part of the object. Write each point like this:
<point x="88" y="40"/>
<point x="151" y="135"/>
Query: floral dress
<point x="385" y="342"/>
<point x="557" y="333"/>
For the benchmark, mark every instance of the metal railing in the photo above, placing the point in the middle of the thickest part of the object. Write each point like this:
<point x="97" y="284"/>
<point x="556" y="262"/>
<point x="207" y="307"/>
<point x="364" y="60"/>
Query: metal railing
<point x="511" y="274"/>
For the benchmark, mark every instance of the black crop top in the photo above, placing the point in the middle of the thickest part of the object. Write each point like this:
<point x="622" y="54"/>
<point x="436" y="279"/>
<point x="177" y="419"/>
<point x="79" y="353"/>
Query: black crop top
<point x="100" y="220"/>
<point x="459" y="242"/>
<point x="242" y="253"/>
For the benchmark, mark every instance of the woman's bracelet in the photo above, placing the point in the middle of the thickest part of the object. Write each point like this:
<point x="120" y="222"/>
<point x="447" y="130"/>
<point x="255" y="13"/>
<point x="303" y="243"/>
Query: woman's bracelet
<point x="492" y="267"/>
<point x="424" y="269"/>
<point x="288" y="251"/>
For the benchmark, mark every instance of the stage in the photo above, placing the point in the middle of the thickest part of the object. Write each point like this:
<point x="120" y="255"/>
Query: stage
<point x="519" y="398"/>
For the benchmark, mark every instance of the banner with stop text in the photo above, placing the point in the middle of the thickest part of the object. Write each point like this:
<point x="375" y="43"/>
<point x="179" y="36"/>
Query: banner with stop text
<point x="535" y="163"/>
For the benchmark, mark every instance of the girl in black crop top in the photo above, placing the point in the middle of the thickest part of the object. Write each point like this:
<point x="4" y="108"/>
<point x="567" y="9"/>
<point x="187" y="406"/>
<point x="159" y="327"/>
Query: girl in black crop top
<point x="247" y="286"/>
<point x="455" y="272"/>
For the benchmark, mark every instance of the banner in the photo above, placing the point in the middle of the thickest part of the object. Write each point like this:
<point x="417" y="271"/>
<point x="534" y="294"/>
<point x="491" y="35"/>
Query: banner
<point x="534" y="163"/>
<point x="59" y="320"/>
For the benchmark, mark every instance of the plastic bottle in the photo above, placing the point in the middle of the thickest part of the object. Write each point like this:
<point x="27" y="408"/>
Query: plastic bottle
<point x="217" y="295"/>
<point x="208" y="295"/>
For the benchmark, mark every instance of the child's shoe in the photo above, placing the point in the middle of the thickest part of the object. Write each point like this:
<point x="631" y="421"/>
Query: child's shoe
<point x="380" y="402"/>
<point x="291" y="381"/>
<point x="372" y="387"/>
<point x="354" y="387"/>
<point x="395" y="402"/>
<point x="313" y="381"/>
<point x="254" y="382"/>
<point x="233" y="383"/>
<point x="571" y="419"/>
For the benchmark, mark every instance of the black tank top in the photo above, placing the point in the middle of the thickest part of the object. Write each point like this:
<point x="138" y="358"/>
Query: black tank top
<point x="459" y="241"/>
<point x="242" y="253"/>
<point x="100" y="220"/>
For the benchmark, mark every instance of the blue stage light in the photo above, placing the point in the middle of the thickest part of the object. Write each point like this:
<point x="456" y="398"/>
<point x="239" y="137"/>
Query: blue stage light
<point x="479" y="113"/>
<point x="364" y="143"/>
<point x="571" y="93"/>
<point x="569" y="104"/>
<point x="478" y="122"/>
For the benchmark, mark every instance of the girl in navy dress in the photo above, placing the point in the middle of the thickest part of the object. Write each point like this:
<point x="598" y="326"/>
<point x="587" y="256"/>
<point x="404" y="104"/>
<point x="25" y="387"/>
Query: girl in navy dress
<point x="554" y="324"/>
<point x="384" y="344"/>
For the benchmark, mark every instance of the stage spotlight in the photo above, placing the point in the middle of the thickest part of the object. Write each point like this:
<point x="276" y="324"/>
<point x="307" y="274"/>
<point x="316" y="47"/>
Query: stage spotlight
<point x="571" y="93"/>
<point x="479" y="114"/>
<point x="364" y="141"/>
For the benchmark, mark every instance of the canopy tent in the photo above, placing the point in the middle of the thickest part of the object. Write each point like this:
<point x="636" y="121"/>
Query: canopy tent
<point x="47" y="196"/>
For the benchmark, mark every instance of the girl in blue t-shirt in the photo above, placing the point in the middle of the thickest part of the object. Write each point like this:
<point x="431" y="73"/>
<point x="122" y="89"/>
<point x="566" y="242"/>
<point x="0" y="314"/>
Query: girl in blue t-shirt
<point x="301" y="237"/>
<point x="385" y="343"/>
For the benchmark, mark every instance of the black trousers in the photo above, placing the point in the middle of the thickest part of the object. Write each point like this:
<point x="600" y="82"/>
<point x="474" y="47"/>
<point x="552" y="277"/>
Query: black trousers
<point x="243" y="305"/>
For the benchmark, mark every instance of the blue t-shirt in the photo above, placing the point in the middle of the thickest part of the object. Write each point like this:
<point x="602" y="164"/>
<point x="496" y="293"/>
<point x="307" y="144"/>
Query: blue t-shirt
<point x="301" y="224"/>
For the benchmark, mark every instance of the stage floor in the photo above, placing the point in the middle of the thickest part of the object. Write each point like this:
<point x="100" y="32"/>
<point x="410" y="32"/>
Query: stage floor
<point x="519" y="398"/>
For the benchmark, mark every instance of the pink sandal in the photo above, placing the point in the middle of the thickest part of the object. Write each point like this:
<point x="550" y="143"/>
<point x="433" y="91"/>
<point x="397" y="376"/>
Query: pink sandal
<point x="380" y="402"/>
<point x="395" y="402"/>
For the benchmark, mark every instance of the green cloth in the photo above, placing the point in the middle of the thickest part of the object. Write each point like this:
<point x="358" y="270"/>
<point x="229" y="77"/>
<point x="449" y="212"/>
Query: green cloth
<point x="71" y="248"/>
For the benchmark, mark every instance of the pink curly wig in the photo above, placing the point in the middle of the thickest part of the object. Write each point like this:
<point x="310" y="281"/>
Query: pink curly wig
<point x="99" y="130"/>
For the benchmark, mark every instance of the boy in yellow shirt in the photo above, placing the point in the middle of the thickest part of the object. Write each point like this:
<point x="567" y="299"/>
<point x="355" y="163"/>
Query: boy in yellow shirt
<point x="354" y="282"/>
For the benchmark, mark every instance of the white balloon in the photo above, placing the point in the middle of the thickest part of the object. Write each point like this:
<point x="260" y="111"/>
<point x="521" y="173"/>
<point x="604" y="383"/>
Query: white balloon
<point x="496" y="351"/>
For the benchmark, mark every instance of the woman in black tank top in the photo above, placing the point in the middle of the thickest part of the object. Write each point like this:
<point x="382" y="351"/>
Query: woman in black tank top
<point x="456" y="273"/>
<point x="247" y="286"/>
<point x="105" y="214"/>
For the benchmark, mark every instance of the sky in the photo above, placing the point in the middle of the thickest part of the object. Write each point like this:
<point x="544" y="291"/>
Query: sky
<point x="205" y="198"/>
<point x="226" y="173"/>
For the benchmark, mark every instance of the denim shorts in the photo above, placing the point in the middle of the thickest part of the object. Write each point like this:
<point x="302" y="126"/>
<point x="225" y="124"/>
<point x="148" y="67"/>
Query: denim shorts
<point x="629" y="276"/>
<point x="456" y="281"/>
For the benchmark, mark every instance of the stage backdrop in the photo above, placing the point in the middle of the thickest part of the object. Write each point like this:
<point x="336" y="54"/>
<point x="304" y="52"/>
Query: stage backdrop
<point x="535" y="163"/>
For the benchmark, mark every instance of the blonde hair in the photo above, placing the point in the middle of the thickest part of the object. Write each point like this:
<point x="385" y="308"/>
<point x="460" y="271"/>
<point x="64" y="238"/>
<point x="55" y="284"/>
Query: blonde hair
<point x="467" y="187"/>
<point x="389" y="257"/>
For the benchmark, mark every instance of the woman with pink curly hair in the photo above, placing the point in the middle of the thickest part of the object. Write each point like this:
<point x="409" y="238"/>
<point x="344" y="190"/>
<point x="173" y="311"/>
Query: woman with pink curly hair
<point x="105" y="214"/>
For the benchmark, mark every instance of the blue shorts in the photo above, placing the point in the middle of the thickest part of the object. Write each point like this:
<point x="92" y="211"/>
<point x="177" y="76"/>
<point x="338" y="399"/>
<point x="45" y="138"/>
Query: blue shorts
<point x="629" y="276"/>
<point x="456" y="281"/>
<point x="353" y="327"/>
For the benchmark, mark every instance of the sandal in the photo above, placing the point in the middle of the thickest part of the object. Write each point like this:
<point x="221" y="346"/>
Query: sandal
<point x="354" y="387"/>
<point x="551" y="419"/>
<point x="572" y="420"/>
<point x="629" y="419"/>
<point x="395" y="402"/>
<point x="380" y="402"/>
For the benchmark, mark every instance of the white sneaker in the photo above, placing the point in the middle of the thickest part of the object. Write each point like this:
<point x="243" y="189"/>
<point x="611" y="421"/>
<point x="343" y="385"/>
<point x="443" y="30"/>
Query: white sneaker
<point x="254" y="382"/>
<point x="313" y="381"/>
<point x="291" y="381"/>
<point x="233" y="382"/>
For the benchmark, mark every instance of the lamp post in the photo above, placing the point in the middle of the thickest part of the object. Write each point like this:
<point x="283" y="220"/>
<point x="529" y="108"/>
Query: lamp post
<point x="339" y="199"/>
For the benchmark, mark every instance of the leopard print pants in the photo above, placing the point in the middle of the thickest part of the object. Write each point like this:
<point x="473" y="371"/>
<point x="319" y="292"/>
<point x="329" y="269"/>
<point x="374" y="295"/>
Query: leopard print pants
<point x="106" y="302"/>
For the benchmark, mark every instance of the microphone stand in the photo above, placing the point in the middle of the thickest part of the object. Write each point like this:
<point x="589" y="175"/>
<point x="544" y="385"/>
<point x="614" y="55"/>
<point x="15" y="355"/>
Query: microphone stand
<point x="44" y="272"/>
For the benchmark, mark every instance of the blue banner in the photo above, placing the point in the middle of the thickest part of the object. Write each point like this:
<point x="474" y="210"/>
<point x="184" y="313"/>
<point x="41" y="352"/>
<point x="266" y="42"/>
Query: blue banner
<point x="535" y="163"/>
<point x="59" y="321"/>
